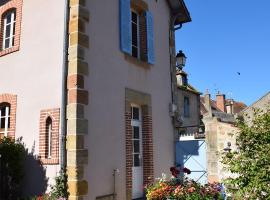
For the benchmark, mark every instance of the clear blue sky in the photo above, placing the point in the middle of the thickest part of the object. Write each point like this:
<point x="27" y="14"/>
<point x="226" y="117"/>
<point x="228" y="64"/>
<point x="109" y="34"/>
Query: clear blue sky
<point x="226" y="37"/>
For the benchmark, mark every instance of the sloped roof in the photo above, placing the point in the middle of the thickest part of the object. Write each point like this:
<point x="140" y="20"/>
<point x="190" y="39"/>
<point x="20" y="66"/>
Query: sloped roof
<point x="189" y="88"/>
<point x="222" y="116"/>
<point x="267" y="95"/>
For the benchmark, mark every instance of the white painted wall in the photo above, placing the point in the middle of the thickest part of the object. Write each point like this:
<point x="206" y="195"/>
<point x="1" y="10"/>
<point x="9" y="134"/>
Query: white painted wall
<point x="109" y="75"/>
<point x="34" y="73"/>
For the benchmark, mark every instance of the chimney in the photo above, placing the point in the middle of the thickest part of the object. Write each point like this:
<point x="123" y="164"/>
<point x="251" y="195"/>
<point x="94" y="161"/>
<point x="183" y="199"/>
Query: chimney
<point x="220" y="98"/>
<point x="207" y="102"/>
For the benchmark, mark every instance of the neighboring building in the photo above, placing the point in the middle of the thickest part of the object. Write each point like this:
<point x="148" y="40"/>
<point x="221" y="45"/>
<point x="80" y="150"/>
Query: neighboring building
<point x="98" y="105"/>
<point x="263" y="104"/>
<point x="220" y="131"/>
<point x="190" y="147"/>
<point x="189" y="103"/>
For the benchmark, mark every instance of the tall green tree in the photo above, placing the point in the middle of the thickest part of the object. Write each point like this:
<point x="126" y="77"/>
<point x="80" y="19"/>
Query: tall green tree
<point x="250" y="165"/>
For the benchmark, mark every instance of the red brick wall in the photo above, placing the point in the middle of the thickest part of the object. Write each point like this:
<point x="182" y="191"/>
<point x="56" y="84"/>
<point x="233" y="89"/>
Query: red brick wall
<point x="221" y="102"/>
<point x="54" y="114"/>
<point x="129" y="157"/>
<point x="12" y="4"/>
<point x="12" y="100"/>
<point x="148" y="154"/>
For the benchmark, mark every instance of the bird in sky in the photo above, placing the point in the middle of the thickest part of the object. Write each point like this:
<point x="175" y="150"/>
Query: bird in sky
<point x="238" y="73"/>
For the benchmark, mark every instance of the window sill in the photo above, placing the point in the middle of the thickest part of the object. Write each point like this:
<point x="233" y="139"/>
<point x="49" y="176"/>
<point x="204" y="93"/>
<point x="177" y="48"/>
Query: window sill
<point x="137" y="61"/>
<point x="49" y="161"/>
<point x="9" y="50"/>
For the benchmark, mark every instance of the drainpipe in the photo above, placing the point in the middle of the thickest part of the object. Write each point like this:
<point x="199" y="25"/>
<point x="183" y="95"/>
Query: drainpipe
<point x="173" y="77"/>
<point x="64" y="89"/>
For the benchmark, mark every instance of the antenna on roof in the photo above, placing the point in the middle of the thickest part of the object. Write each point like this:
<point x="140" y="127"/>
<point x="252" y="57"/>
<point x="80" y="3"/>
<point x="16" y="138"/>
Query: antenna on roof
<point x="216" y="88"/>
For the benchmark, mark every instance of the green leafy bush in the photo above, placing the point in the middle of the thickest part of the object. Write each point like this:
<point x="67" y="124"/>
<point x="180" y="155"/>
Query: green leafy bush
<point x="250" y="165"/>
<point x="60" y="189"/>
<point x="11" y="167"/>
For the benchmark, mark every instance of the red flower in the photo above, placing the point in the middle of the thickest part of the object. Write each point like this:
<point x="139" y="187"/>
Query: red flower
<point x="175" y="172"/>
<point x="186" y="170"/>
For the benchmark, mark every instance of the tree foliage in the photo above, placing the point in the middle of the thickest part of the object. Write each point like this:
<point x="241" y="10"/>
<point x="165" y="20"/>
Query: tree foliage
<point x="11" y="167"/>
<point x="60" y="189"/>
<point x="250" y="164"/>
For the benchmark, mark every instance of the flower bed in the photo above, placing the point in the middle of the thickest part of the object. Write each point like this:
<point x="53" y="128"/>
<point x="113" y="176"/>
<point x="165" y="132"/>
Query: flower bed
<point x="179" y="188"/>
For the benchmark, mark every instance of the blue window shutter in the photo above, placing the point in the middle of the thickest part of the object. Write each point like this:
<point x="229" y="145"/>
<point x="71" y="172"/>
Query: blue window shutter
<point x="150" y="38"/>
<point x="125" y="26"/>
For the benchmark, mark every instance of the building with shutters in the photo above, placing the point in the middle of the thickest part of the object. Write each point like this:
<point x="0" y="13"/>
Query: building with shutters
<point x="88" y="85"/>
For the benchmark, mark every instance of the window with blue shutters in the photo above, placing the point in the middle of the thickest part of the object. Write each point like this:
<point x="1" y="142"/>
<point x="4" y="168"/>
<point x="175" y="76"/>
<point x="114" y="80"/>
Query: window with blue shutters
<point x="136" y="31"/>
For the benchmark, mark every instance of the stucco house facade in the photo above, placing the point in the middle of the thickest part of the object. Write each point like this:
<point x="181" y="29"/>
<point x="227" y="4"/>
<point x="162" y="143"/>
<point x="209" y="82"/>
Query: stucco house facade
<point x="88" y="85"/>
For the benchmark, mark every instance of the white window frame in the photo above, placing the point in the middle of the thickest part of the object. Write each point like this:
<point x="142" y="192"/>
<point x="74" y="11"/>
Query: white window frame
<point x="137" y="123"/>
<point x="12" y="25"/>
<point x="138" y="34"/>
<point x="6" y="117"/>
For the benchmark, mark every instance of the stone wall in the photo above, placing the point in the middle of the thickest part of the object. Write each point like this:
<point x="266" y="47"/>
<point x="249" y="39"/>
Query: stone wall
<point x="262" y="104"/>
<point x="218" y="134"/>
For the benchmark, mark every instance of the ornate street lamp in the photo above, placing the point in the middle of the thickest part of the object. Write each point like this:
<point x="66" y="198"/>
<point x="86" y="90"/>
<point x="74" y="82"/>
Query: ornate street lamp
<point x="180" y="59"/>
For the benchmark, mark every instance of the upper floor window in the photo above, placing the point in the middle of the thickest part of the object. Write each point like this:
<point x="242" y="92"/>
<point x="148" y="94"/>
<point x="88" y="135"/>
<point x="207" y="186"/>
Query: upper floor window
<point x="135" y="34"/>
<point x="4" y="118"/>
<point x="137" y="30"/>
<point x="10" y="26"/>
<point x="9" y="20"/>
<point x="186" y="107"/>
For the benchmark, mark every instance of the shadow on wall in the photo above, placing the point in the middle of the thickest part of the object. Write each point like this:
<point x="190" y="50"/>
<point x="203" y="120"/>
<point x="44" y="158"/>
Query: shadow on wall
<point x="192" y="155"/>
<point x="21" y="173"/>
<point x="35" y="181"/>
<point x="186" y="149"/>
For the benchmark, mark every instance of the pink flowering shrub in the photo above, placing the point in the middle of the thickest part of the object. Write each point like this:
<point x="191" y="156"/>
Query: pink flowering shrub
<point x="178" y="188"/>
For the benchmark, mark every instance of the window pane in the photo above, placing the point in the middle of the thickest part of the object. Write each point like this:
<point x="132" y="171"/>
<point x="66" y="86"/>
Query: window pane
<point x="136" y="132"/>
<point x="2" y="123"/>
<point x="134" y="51"/>
<point x="136" y="146"/>
<point x="14" y="26"/>
<point x="8" y="17"/>
<point x="14" y="15"/>
<point x="134" y="17"/>
<point x="7" y="43"/>
<point x="8" y="122"/>
<point x="135" y="113"/>
<point x="134" y="35"/>
<point x="136" y="161"/>
<point x="3" y="111"/>
<point x="8" y="27"/>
